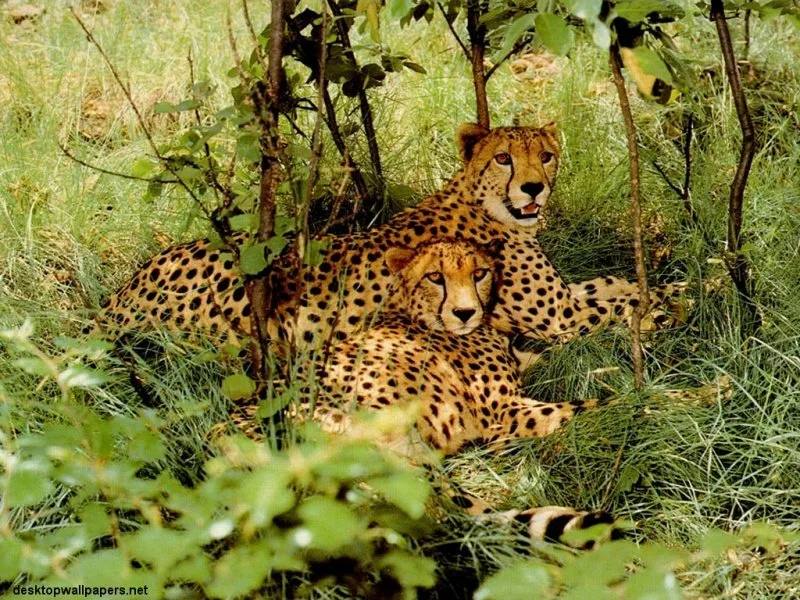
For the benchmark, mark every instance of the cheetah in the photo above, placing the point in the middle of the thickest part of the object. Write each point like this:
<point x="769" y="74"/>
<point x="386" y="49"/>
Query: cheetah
<point x="430" y="345"/>
<point x="509" y="174"/>
<point x="431" y="349"/>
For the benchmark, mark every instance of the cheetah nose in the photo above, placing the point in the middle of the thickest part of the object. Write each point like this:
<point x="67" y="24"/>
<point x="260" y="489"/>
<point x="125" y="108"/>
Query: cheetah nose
<point x="464" y="313"/>
<point x="532" y="189"/>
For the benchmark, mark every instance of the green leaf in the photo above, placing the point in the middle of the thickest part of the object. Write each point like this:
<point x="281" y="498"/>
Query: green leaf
<point x="164" y="107"/>
<point x="251" y="259"/>
<point x="588" y="10"/>
<point x="276" y="244"/>
<point x="27" y="487"/>
<point x="315" y="252"/>
<point x="248" y="147"/>
<point x="554" y="33"/>
<point x="651" y="63"/>
<point x="142" y="167"/>
<point x="34" y="366"/>
<point x="240" y="571"/>
<point x="327" y="524"/>
<point x="272" y="406"/>
<point x="146" y="446"/>
<point x="520" y="582"/>
<point x="637" y="11"/>
<point x="244" y="222"/>
<point x="238" y="386"/>
<point x="96" y="521"/>
<point x="414" y="67"/>
<point x="266" y="493"/>
<point x="159" y="546"/>
<point x="652" y="584"/>
<point x="11" y="550"/>
<point x="514" y="32"/>
<point x="405" y="490"/>
<point x="100" y="567"/>
<point x="716" y="541"/>
<point x="410" y="570"/>
<point x="399" y="8"/>
<point x="604" y="565"/>
<point x="168" y="107"/>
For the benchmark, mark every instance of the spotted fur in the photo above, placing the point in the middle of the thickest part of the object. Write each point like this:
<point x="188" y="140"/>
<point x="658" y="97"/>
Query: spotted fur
<point x="508" y="175"/>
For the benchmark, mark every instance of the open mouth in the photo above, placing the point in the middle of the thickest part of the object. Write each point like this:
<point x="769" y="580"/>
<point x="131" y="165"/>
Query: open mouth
<point x="529" y="211"/>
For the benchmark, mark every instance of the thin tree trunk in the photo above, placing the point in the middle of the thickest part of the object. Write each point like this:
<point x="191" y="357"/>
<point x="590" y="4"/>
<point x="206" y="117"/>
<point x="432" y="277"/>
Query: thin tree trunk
<point x="737" y="264"/>
<point x="477" y="39"/>
<point x="259" y="291"/>
<point x="636" y="215"/>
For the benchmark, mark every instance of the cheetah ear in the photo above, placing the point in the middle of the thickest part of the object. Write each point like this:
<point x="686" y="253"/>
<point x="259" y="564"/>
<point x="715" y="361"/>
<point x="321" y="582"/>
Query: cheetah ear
<point x="550" y="131"/>
<point x="468" y="135"/>
<point x="398" y="258"/>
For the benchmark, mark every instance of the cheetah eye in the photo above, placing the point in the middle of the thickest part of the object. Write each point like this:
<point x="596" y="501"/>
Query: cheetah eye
<point x="545" y="157"/>
<point x="504" y="158"/>
<point x="435" y="278"/>
<point x="480" y="274"/>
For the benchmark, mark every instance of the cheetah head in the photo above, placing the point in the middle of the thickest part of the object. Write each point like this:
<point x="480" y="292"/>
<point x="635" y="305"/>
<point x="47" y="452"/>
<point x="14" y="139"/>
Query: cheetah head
<point x="511" y="170"/>
<point x="444" y="284"/>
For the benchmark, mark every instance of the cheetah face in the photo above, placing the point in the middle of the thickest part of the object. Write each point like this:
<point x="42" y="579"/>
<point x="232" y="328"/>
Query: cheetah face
<point x="511" y="170"/>
<point x="444" y="284"/>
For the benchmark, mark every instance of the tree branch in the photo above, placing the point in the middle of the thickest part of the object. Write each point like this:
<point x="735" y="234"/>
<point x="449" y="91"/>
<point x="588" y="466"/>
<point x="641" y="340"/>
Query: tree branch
<point x="636" y="210"/>
<point x="454" y="32"/>
<point x="363" y="101"/>
<point x="520" y="44"/>
<point x="737" y="264"/>
<point x="88" y="165"/>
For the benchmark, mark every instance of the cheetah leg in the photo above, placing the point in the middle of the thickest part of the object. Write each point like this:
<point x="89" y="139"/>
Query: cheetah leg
<point x="598" y="301"/>
<point x="526" y="418"/>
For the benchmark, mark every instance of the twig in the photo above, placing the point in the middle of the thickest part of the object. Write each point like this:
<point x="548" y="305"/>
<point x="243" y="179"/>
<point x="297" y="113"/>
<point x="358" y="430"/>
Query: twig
<point x="316" y="138"/>
<point x="129" y="97"/>
<point x="83" y="163"/>
<point x="736" y="262"/>
<point x="636" y="210"/>
<point x="508" y="54"/>
<point x="262" y="60"/>
<point x="454" y="32"/>
<point x="363" y="101"/>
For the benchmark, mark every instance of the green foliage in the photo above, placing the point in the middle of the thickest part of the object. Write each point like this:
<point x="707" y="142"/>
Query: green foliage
<point x="257" y="514"/>
<point x="622" y="569"/>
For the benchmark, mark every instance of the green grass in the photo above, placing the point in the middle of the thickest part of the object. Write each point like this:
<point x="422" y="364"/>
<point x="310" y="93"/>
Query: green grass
<point x="71" y="235"/>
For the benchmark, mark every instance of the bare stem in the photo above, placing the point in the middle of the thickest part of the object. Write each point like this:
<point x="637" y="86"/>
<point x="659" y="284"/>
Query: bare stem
<point x="363" y="102"/>
<point x="453" y="31"/>
<point x="636" y="215"/>
<point x="737" y="264"/>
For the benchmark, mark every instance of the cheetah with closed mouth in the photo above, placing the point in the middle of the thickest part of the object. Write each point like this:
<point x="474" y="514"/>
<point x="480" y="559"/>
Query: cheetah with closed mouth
<point x="430" y="348"/>
<point x="509" y="174"/>
<point x="429" y="345"/>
